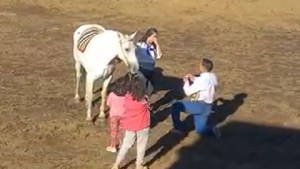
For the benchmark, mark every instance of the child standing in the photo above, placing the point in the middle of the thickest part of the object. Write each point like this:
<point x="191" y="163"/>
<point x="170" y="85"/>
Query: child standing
<point x="115" y="101"/>
<point x="135" y="122"/>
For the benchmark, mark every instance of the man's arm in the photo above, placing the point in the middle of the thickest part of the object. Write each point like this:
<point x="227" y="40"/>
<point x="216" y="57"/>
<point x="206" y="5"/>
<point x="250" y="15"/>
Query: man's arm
<point x="198" y="85"/>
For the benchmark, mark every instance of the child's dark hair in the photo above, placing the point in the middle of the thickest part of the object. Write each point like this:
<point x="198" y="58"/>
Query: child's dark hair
<point x="137" y="87"/>
<point x="120" y="86"/>
<point x="208" y="64"/>
<point x="148" y="33"/>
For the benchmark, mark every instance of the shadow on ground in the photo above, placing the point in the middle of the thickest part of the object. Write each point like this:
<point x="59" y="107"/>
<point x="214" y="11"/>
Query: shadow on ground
<point x="222" y="107"/>
<point x="243" y="146"/>
<point x="173" y="86"/>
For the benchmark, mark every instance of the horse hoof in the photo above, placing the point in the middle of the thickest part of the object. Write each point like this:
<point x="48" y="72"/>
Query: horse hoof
<point x="76" y="99"/>
<point x="101" y="115"/>
<point x="88" y="119"/>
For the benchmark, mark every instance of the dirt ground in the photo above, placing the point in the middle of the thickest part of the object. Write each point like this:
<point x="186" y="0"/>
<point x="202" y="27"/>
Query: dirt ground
<point x="255" y="45"/>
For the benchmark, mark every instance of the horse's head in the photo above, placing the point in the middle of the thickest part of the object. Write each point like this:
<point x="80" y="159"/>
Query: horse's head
<point x="127" y="52"/>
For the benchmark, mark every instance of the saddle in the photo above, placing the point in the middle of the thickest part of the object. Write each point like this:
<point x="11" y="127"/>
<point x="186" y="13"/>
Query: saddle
<point x="86" y="37"/>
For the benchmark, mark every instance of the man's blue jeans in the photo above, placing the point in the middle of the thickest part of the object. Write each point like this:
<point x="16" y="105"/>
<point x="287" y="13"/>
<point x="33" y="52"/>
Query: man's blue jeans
<point x="199" y="109"/>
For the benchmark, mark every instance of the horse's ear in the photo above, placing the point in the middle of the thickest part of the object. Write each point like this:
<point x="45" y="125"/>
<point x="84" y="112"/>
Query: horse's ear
<point x="132" y="36"/>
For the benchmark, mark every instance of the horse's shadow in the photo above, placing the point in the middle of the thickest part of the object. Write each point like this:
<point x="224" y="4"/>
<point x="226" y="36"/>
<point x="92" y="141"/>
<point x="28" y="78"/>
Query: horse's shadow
<point x="159" y="108"/>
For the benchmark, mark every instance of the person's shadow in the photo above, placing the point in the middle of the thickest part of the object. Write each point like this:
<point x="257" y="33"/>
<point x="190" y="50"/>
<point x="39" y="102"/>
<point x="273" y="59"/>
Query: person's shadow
<point x="223" y="109"/>
<point x="169" y="141"/>
<point x="221" y="112"/>
<point x="246" y="145"/>
<point x="173" y="86"/>
<point x="163" y="145"/>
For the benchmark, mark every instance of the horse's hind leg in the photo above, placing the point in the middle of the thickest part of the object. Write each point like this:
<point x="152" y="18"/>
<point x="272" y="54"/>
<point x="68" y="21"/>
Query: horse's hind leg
<point x="103" y="96"/>
<point x="78" y="79"/>
<point x="89" y="96"/>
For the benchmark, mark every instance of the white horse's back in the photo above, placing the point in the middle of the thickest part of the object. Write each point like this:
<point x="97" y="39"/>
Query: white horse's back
<point x="78" y="32"/>
<point x="98" y="53"/>
<point x="82" y="37"/>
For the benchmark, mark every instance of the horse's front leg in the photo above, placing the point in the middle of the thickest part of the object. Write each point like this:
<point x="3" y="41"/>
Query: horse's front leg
<point x="89" y="96"/>
<point x="104" y="95"/>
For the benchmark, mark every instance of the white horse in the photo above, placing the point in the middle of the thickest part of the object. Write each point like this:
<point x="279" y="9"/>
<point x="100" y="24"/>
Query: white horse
<point x="94" y="49"/>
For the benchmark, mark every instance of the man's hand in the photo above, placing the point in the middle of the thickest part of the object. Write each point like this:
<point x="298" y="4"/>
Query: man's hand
<point x="189" y="77"/>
